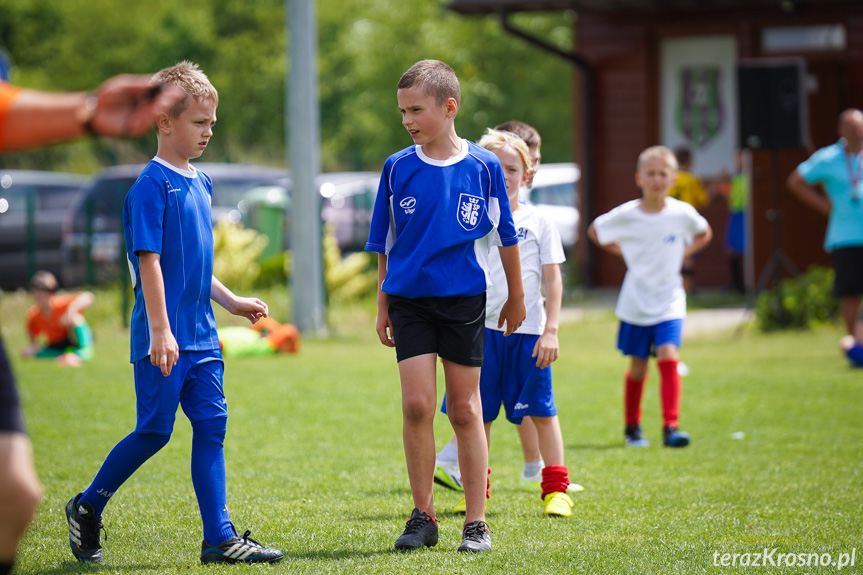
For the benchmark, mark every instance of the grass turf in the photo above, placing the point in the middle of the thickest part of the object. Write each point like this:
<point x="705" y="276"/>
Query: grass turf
<point x="316" y="467"/>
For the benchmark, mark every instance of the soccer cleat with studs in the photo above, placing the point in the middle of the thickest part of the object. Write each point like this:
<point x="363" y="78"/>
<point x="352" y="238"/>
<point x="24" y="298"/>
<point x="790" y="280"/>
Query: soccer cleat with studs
<point x="84" y="531"/>
<point x="476" y="538"/>
<point x="239" y="550"/>
<point x="420" y="531"/>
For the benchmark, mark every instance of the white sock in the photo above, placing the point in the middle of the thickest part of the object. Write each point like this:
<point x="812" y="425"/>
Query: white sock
<point x="533" y="468"/>
<point x="448" y="453"/>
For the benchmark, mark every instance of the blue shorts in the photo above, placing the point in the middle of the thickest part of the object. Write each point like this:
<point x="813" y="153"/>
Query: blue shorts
<point x="195" y="384"/>
<point x="642" y="340"/>
<point x="509" y="376"/>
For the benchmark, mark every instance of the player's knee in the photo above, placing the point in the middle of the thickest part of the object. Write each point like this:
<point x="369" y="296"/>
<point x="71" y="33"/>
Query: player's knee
<point x="464" y="414"/>
<point x="416" y="409"/>
<point x="19" y="500"/>
<point x="213" y="430"/>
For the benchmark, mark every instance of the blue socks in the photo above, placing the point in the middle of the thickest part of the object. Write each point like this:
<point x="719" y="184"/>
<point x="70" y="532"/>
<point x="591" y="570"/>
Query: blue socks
<point x="208" y="477"/>
<point x="208" y="473"/>
<point x="126" y="457"/>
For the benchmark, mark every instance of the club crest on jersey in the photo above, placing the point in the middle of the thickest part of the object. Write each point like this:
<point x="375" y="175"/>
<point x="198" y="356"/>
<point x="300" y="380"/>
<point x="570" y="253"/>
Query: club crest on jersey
<point x="469" y="210"/>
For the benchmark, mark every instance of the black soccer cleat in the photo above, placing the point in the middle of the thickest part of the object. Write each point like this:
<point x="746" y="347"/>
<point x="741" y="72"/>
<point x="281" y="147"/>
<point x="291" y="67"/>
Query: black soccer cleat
<point x="239" y="550"/>
<point x="420" y="531"/>
<point x="476" y="537"/>
<point x="673" y="437"/>
<point x="84" y="531"/>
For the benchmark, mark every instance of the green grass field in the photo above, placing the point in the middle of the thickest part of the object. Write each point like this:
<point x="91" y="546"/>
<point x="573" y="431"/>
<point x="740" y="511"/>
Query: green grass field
<point x="316" y="467"/>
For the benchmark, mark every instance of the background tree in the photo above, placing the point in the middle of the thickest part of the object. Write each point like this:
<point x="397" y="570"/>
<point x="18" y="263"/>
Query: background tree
<point x="364" y="46"/>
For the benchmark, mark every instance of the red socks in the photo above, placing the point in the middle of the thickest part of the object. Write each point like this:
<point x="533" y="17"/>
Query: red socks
<point x="632" y="391"/>
<point x="555" y="478"/>
<point x="669" y="391"/>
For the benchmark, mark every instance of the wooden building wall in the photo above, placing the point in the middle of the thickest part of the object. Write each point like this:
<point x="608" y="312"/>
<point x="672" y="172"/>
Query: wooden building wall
<point x="623" y="51"/>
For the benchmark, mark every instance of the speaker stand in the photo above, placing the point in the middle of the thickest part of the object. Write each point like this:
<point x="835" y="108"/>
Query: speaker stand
<point x="779" y="262"/>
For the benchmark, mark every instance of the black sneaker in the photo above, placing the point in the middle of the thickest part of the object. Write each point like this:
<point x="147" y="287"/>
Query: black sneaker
<point x="673" y="437"/>
<point x="239" y="550"/>
<point x="633" y="437"/>
<point x="420" y="531"/>
<point x="476" y="537"/>
<point x="84" y="531"/>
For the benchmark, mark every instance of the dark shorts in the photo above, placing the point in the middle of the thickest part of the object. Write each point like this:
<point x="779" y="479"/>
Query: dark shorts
<point x="642" y="340"/>
<point x="10" y="412"/>
<point x="451" y="327"/>
<point x="848" y="265"/>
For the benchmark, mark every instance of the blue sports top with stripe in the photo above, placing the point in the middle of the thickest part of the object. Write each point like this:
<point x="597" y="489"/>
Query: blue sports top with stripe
<point x="436" y="220"/>
<point x="168" y="211"/>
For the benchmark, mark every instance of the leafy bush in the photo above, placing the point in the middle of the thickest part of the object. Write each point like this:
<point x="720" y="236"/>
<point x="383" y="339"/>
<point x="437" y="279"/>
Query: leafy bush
<point x="799" y="303"/>
<point x="237" y="250"/>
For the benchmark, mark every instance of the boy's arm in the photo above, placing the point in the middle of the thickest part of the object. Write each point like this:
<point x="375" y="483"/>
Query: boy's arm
<point x="547" y="347"/>
<point x="699" y="242"/>
<point x="610" y="248"/>
<point x="82" y="301"/>
<point x="164" y="350"/>
<point x="512" y="313"/>
<point x="250" y="308"/>
<point x="383" y="325"/>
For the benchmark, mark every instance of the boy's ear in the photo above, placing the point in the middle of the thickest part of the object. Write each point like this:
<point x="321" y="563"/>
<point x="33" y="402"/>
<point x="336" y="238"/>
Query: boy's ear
<point x="163" y="123"/>
<point x="451" y="106"/>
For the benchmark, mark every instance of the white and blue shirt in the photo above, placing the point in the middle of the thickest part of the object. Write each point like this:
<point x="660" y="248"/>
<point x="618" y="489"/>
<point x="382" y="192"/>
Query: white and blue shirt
<point x="842" y="176"/>
<point x="168" y="211"/>
<point x="437" y="219"/>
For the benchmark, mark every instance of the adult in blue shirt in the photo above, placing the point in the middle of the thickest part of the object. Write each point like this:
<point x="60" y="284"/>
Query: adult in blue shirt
<point x="838" y="168"/>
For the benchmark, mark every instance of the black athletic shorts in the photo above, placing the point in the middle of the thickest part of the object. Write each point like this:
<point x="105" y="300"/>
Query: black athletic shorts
<point x="848" y="265"/>
<point x="451" y="327"/>
<point x="10" y="412"/>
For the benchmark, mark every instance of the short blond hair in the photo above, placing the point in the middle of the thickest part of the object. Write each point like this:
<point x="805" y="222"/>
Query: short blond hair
<point x="660" y="153"/>
<point x="497" y="139"/>
<point x="189" y="78"/>
<point x="435" y="77"/>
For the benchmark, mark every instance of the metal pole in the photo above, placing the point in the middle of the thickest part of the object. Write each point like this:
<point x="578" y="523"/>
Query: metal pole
<point x="303" y="123"/>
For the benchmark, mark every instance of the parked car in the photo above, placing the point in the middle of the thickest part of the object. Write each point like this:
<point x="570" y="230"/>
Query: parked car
<point x="94" y="224"/>
<point x="32" y="207"/>
<point x="347" y="199"/>
<point x="555" y="193"/>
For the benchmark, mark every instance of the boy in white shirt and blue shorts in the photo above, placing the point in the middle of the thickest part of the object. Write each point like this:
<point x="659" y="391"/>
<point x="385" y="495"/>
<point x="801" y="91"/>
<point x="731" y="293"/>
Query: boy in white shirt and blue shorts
<point x="653" y="235"/>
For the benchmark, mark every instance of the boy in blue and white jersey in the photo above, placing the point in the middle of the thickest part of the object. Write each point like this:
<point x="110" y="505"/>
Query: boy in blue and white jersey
<point x="174" y="345"/>
<point x="441" y="204"/>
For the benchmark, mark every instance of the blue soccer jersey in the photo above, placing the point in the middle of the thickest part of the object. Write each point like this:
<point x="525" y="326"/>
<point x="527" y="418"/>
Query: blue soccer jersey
<point x="167" y="211"/>
<point x="436" y="220"/>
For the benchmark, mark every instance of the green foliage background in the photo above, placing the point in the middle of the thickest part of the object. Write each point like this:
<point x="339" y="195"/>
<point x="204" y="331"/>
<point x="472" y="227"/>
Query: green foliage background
<point x="364" y="46"/>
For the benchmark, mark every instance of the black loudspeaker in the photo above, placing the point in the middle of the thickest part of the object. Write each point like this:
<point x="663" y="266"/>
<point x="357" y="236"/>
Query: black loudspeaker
<point x="772" y="104"/>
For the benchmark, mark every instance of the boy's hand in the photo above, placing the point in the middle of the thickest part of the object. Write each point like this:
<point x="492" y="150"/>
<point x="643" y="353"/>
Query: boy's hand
<point x="164" y="351"/>
<point x="512" y="313"/>
<point x="383" y="325"/>
<point x="546" y="350"/>
<point x="250" y="308"/>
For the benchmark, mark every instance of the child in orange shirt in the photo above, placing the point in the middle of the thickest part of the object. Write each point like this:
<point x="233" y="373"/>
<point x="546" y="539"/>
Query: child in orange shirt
<point x="59" y="322"/>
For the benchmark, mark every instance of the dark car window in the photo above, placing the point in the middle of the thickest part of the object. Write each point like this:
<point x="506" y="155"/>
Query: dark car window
<point x="106" y="203"/>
